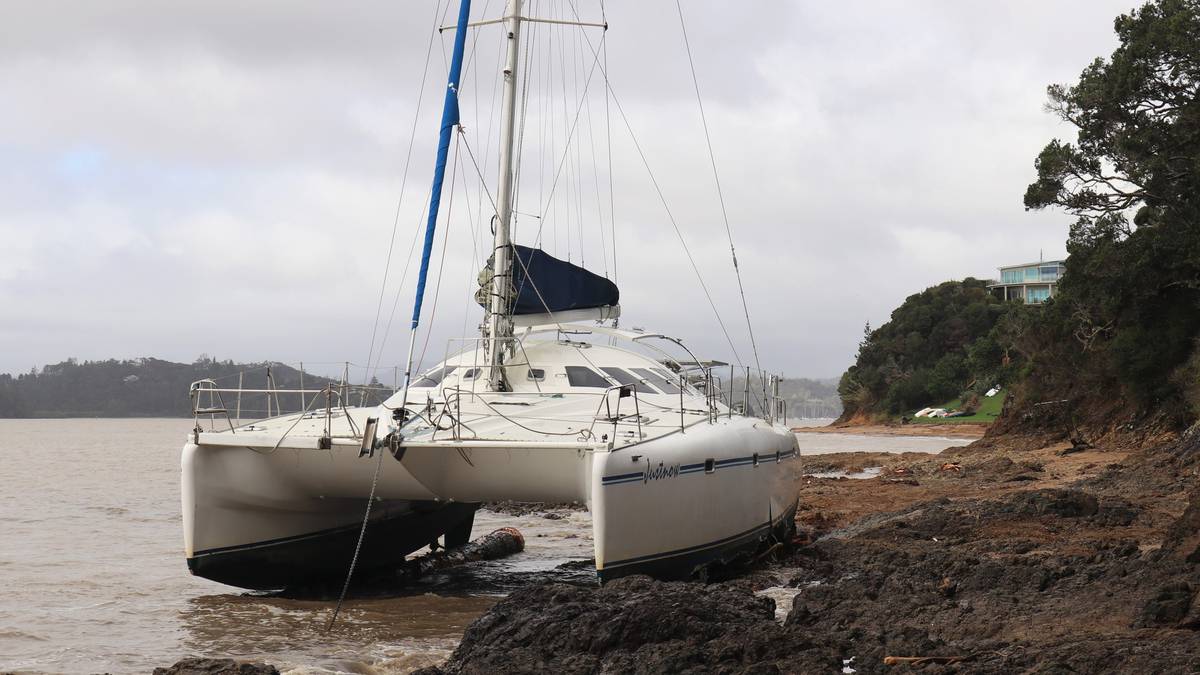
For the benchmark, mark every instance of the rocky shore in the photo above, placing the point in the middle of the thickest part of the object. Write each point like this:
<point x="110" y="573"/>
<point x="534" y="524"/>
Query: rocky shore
<point x="1011" y="555"/>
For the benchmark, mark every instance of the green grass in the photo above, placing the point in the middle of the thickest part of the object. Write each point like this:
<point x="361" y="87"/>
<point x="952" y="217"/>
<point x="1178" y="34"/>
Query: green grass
<point x="989" y="409"/>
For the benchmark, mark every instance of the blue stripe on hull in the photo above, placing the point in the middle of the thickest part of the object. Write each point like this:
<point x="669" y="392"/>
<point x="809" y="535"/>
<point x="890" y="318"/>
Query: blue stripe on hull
<point x="640" y="476"/>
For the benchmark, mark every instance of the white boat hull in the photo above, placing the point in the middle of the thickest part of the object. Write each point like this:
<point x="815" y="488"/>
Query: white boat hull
<point x="268" y="518"/>
<point x="674" y="481"/>
<point x="288" y="517"/>
<point x="674" y="505"/>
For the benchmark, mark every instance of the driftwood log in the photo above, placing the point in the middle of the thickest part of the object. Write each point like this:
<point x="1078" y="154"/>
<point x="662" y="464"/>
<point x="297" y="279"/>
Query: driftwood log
<point x="500" y="543"/>
<point x="922" y="660"/>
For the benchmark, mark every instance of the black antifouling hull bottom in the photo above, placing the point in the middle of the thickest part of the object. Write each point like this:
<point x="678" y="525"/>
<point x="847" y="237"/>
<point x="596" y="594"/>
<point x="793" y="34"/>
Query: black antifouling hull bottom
<point x="321" y="557"/>
<point x="690" y="563"/>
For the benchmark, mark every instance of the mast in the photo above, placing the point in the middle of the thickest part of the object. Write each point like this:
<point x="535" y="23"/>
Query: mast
<point x="499" y="323"/>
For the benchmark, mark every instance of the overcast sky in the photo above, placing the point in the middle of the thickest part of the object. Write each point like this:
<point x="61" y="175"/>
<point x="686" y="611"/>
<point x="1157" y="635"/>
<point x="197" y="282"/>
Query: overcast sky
<point x="179" y="178"/>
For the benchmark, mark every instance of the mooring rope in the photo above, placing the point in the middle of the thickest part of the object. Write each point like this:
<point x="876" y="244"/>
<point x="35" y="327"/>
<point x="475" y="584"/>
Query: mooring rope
<point x="362" y="534"/>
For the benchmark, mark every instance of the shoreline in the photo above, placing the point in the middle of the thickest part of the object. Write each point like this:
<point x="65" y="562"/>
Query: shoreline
<point x="1015" y="554"/>
<point x="964" y="430"/>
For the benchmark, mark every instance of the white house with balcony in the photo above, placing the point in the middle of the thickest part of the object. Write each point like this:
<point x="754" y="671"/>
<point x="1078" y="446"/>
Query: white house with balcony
<point x="1031" y="283"/>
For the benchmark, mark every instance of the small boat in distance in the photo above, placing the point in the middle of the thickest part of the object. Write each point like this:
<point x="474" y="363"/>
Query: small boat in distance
<point x="550" y="402"/>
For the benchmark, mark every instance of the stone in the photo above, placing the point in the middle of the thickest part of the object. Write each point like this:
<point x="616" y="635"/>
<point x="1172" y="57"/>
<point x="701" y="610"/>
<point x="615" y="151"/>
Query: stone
<point x="205" y="666"/>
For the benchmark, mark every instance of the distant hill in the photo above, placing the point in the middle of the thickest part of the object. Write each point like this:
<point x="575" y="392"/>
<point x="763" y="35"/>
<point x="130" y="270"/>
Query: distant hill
<point x="156" y="388"/>
<point x="138" y="387"/>
<point x="806" y="398"/>
<point x="811" y="398"/>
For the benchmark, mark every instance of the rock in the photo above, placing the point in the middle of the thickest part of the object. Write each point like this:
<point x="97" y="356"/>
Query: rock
<point x="1183" y="536"/>
<point x="996" y="465"/>
<point x="636" y="624"/>
<point x="1168" y="607"/>
<point x="1056" y="502"/>
<point x="204" y="666"/>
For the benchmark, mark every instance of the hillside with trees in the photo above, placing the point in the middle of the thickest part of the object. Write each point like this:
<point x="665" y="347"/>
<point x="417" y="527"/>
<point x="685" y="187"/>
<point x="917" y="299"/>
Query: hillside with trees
<point x="155" y="388"/>
<point x="941" y="343"/>
<point x="136" y="387"/>
<point x="1126" y="323"/>
<point x="1119" y="343"/>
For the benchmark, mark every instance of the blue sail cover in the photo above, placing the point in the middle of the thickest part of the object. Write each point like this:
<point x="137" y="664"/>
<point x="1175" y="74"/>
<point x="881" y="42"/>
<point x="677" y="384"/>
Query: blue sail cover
<point x="544" y="284"/>
<point x="449" y="120"/>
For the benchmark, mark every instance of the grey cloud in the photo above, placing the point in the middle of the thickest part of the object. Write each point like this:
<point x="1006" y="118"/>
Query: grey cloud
<point x="221" y="177"/>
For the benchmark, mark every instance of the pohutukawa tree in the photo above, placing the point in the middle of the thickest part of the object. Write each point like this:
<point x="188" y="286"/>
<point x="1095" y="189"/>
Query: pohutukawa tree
<point x="1131" y="294"/>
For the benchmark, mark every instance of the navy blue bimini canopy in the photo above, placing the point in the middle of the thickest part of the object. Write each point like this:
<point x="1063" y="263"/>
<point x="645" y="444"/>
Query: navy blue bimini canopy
<point x="544" y="284"/>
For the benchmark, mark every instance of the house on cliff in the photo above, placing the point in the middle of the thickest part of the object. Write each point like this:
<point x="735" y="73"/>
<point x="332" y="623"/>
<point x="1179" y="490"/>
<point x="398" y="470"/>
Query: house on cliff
<point x="1032" y="283"/>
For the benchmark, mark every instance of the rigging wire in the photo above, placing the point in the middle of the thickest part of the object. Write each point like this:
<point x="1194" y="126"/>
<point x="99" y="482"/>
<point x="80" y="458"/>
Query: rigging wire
<point x="478" y="172"/>
<point x="662" y="198"/>
<point x="566" y="150"/>
<point x="717" y="179"/>
<point x="437" y="289"/>
<point x="400" y="201"/>
<point x="612" y="211"/>
<point x="596" y="181"/>
<point x="562" y="74"/>
<point x="578" y="186"/>
<point x="420" y="220"/>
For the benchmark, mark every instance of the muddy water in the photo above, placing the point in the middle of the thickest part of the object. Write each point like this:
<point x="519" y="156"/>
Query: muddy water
<point x="94" y="580"/>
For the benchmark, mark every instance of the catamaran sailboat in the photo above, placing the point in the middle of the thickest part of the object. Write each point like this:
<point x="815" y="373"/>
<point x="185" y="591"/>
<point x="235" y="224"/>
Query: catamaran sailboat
<point x="551" y="402"/>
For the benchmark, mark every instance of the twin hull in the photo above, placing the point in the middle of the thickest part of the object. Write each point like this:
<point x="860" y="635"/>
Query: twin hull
<point x="260" y="517"/>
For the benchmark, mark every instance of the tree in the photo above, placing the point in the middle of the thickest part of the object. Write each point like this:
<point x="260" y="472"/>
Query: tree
<point x="1131" y="292"/>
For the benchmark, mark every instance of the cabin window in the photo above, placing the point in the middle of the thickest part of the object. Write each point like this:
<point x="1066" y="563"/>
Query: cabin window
<point x="626" y="377"/>
<point x="434" y="377"/>
<point x="471" y="374"/>
<point x="536" y="374"/>
<point x="581" y="376"/>
<point x="658" y="380"/>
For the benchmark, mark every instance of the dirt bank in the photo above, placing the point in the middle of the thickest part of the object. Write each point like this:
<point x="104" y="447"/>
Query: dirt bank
<point x="1008" y="555"/>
